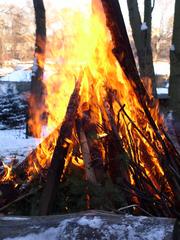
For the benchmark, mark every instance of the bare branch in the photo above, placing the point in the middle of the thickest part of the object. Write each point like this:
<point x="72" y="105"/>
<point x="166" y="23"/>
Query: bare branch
<point x="153" y="4"/>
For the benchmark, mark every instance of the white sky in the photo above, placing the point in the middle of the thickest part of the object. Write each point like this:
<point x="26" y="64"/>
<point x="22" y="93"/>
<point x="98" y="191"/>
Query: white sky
<point x="163" y="8"/>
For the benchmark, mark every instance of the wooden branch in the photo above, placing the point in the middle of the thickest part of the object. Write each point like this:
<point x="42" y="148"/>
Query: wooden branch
<point x="58" y="159"/>
<point x="134" y="206"/>
<point x="113" y="126"/>
<point x="118" y="164"/>
<point x="95" y="146"/>
<point x="90" y="175"/>
<point x="20" y="198"/>
<point x="120" y="39"/>
<point x="153" y="5"/>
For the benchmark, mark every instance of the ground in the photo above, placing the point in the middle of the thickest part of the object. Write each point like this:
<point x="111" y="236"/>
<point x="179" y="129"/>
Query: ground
<point x="91" y="225"/>
<point x="13" y="108"/>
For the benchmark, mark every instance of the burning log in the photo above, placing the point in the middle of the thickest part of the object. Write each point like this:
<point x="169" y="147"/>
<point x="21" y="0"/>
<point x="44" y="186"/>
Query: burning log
<point x="60" y="152"/>
<point x="122" y="48"/>
<point x="90" y="175"/>
<point x="95" y="146"/>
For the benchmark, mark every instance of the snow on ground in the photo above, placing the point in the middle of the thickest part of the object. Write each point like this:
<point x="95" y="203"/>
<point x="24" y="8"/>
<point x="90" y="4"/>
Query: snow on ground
<point x="5" y="70"/>
<point x="96" y="222"/>
<point x="75" y="228"/>
<point x="51" y="233"/>
<point x="24" y="66"/>
<point x="14" y="145"/>
<point x="6" y="88"/>
<point x="14" y="218"/>
<point x="161" y="68"/>
<point x="18" y="76"/>
<point x="162" y="91"/>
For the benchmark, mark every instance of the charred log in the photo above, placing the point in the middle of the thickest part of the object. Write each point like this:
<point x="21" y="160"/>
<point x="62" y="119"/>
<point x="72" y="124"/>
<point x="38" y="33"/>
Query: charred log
<point x="60" y="152"/>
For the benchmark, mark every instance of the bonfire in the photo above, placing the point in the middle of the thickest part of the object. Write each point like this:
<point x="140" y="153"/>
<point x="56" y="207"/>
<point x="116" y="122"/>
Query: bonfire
<point x="100" y="118"/>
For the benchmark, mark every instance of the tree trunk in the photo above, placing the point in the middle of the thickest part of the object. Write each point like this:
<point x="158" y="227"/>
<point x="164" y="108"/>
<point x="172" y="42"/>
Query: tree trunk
<point x="142" y="40"/>
<point x="116" y="25"/>
<point x="37" y="86"/>
<point x="135" y="22"/>
<point x="175" y="64"/>
<point x="1" y="53"/>
<point x="149" y="68"/>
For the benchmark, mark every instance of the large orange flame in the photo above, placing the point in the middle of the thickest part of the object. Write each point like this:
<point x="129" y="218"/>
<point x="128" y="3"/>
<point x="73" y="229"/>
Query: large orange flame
<point x="83" y="47"/>
<point x="86" y="46"/>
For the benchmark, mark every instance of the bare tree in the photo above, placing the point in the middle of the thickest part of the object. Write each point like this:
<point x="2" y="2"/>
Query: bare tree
<point x="142" y="39"/>
<point x="37" y="87"/>
<point x="1" y="43"/>
<point x="16" y="33"/>
<point x="175" y="64"/>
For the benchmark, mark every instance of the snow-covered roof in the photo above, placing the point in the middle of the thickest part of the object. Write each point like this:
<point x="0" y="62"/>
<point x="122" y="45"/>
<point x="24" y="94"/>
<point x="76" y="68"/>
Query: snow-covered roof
<point x="18" y="76"/>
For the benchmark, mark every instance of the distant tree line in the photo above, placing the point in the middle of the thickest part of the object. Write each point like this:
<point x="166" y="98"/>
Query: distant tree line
<point x="16" y="34"/>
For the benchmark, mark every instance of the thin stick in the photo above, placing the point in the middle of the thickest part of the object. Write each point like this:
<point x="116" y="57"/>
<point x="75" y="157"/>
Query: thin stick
<point x="132" y="206"/>
<point x="20" y="198"/>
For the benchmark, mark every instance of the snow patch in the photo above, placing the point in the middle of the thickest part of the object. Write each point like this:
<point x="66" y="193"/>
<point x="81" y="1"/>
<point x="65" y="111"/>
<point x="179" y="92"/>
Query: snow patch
<point x="172" y="48"/>
<point x="144" y="26"/>
<point x="161" y="68"/>
<point x="95" y="222"/>
<point x="73" y="229"/>
<point x="5" y="70"/>
<point x="15" y="145"/>
<point x="156" y="233"/>
<point x="14" y="218"/>
<point x="17" y="76"/>
<point x="50" y="233"/>
<point x="7" y="88"/>
<point x="161" y="91"/>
